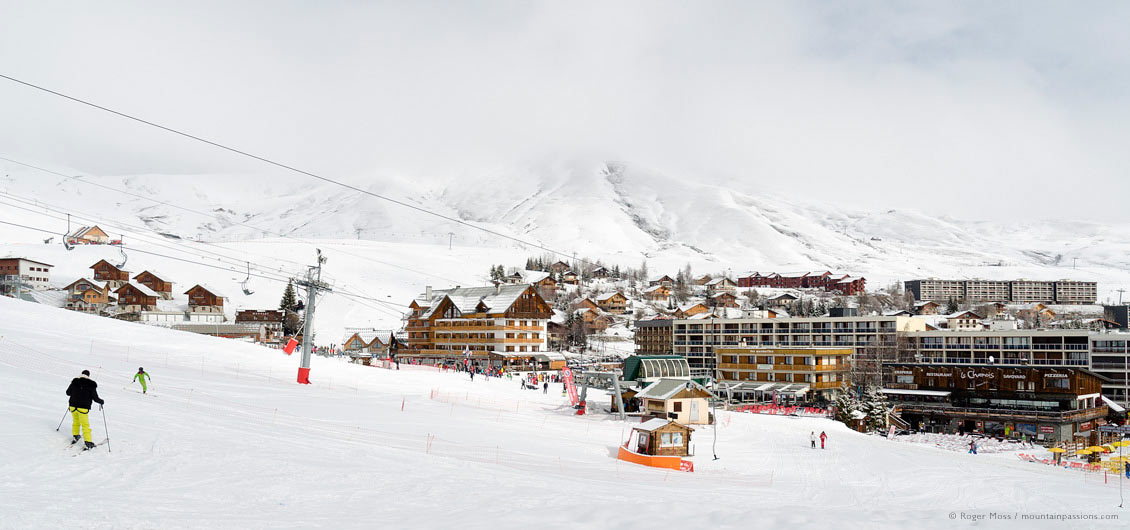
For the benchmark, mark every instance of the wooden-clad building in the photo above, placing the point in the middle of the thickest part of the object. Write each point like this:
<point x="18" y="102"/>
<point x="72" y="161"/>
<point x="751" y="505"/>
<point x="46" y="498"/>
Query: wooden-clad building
<point x="156" y="281"/>
<point x="614" y="302"/>
<point x="88" y="235"/>
<point x="1056" y="404"/>
<point x="88" y="296"/>
<point x="133" y="298"/>
<point x="203" y="299"/>
<point x="107" y="272"/>
<point x="501" y="324"/>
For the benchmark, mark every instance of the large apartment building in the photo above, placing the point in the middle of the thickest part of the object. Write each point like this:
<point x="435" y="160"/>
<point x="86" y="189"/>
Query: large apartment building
<point x="653" y="337"/>
<point x="873" y="339"/>
<point x="757" y="372"/>
<point x="1058" y="292"/>
<point x="502" y="324"/>
<point x="1106" y="354"/>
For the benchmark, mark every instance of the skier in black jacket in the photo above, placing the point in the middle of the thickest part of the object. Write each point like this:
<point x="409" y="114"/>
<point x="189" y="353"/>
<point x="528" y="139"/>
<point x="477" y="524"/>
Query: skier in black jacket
<point x="83" y="391"/>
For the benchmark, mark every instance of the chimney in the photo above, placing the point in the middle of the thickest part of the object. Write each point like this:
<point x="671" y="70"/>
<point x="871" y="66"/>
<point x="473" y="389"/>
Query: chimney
<point x="428" y="292"/>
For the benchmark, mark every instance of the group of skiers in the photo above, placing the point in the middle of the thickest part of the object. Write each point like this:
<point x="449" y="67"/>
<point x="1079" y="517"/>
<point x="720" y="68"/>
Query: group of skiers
<point x="83" y="392"/>
<point x="812" y="438"/>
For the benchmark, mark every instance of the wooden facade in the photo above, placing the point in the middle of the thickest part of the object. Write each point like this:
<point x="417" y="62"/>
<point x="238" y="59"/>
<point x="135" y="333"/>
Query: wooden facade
<point x="105" y="271"/>
<point x="202" y="299"/>
<point x="151" y="280"/>
<point x="501" y="324"/>
<point x="615" y="303"/>
<point x="131" y="298"/>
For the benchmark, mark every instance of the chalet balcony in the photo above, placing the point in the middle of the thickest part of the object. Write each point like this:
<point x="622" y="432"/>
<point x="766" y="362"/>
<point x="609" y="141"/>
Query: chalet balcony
<point x="785" y="367"/>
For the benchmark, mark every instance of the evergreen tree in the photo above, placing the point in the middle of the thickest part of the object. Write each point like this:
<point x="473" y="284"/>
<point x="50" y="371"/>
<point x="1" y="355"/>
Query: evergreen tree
<point x="845" y="405"/>
<point x="951" y="306"/>
<point x="874" y="405"/>
<point x="288" y="299"/>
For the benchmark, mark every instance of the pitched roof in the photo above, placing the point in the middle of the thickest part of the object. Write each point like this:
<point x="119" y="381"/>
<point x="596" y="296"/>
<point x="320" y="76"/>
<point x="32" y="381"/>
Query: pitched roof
<point x="655" y="288"/>
<point x="607" y="296"/>
<point x="144" y="290"/>
<point x="466" y="299"/>
<point x="665" y="388"/>
<point x="208" y="288"/>
<point x="529" y="276"/>
<point x="156" y="273"/>
<point x="654" y="423"/>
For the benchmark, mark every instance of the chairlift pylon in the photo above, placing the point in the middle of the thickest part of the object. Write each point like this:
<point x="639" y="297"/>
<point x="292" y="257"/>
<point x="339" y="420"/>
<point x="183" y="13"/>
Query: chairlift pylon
<point x="243" y="284"/>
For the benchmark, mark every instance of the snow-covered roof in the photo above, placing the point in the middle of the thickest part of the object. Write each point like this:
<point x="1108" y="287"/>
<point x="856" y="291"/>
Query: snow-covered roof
<point x="607" y="296"/>
<point x="1113" y="406"/>
<point x="655" y="288"/>
<point x="156" y="273"/>
<point x="665" y="388"/>
<point x="529" y="276"/>
<point x="97" y="283"/>
<point x="924" y="303"/>
<point x="144" y="290"/>
<point x="208" y="288"/>
<point x="466" y="299"/>
<point x="653" y="424"/>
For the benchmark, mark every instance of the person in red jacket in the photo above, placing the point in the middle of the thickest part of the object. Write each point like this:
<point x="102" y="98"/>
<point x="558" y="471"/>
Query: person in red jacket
<point x="823" y="436"/>
<point x="83" y="392"/>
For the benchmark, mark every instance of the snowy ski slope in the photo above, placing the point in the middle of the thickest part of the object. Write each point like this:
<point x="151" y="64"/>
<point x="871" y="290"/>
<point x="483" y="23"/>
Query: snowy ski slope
<point x="228" y="440"/>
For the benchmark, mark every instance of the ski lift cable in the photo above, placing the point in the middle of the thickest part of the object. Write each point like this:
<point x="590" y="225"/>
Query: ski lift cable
<point x="163" y="240"/>
<point x="297" y="170"/>
<point x="344" y="293"/>
<point x="160" y="240"/>
<point x="210" y="216"/>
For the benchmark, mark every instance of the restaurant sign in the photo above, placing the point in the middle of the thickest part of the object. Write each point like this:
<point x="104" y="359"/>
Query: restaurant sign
<point x="1047" y="429"/>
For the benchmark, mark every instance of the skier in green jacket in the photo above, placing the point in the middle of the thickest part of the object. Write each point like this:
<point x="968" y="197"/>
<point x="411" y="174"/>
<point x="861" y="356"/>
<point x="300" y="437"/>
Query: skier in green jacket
<point x="140" y="377"/>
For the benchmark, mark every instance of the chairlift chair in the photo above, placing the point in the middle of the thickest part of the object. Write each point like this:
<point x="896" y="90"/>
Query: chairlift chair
<point x="125" y="258"/>
<point x="243" y="284"/>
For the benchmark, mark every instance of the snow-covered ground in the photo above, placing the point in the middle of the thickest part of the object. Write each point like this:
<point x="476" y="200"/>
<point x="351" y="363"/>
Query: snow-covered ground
<point x="228" y="440"/>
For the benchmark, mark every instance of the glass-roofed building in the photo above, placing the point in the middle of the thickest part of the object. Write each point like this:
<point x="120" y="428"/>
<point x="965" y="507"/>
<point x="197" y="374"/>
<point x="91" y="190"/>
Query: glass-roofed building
<point x="650" y="368"/>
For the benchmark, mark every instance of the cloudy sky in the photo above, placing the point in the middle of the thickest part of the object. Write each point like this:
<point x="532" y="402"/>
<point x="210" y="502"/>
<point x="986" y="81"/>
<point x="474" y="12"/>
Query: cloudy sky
<point x="992" y="110"/>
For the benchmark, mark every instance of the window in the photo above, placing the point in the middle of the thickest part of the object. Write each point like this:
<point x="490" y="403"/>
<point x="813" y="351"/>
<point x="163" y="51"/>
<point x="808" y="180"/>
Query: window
<point x="906" y="379"/>
<point x="671" y="439"/>
<point x="678" y="406"/>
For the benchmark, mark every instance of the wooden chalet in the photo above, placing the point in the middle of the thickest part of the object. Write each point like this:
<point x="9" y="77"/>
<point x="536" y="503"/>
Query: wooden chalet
<point x="203" y="299"/>
<point x="107" y="272"/>
<point x="88" y="296"/>
<point x="586" y="302"/>
<point x="559" y="268"/>
<point x="570" y="278"/>
<point x="658" y="293"/>
<point x="721" y="285"/>
<point x="156" y="281"/>
<point x="501" y="324"/>
<point x="690" y="310"/>
<point x="614" y="302"/>
<point x="660" y="437"/>
<point x="926" y="308"/>
<point x="600" y="272"/>
<point x="88" y="235"/>
<point x="662" y="280"/>
<point x="133" y="298"/>
<point x="724" y="299"/>
<point x="703" y="280"/>
<point x="557" y="335"/>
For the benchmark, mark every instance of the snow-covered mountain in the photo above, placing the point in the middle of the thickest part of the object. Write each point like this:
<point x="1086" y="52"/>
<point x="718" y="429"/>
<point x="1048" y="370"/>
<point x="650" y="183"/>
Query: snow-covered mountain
<point x="616" y="212"/>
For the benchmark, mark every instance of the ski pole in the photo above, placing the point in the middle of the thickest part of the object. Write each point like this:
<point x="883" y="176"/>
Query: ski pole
<point x="61" y="421"/>
<point x="105" y="428"/>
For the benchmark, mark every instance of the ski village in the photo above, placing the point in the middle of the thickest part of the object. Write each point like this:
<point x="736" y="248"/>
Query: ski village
<point x="564" y="265"/>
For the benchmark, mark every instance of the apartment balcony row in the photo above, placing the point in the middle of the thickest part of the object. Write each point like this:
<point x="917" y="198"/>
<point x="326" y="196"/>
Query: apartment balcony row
<point x="442" y="340"/>
<point x="785" y="367"/>
<point x="459" y="328"/>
